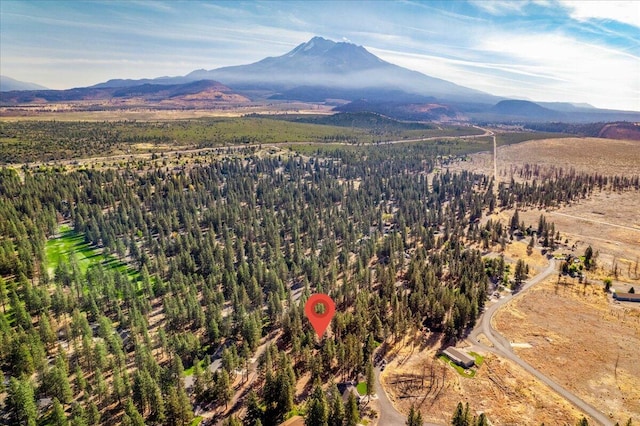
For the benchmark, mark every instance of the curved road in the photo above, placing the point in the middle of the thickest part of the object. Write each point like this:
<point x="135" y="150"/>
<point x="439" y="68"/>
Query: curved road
<point x="502" y="347"/>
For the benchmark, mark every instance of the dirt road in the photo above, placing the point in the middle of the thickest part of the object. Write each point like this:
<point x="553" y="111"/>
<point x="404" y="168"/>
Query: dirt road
<point x="502" y="347"/>
<point x="630" y="228"/>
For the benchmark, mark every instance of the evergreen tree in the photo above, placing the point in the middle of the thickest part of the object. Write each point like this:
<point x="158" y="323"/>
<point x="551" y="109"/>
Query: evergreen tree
<point x="588" y="258"/>
<point x="3" y="294"/>
<point x="93" y="414"/>
<point x="254" y="410"/>
<point x="482" y="420"/>
<point x="58" y="417"/>
<point x="133" y="413"/>
<point x="370" y="382"/>
<point x="352" y="414"/>
<point x="461" y="415"/>
<point x="317" y="410"/>
<point x="336" y="407"/>
<point x="582" y="422"/>
<point x="78" y="415"/>
<point x="223" y="391"/>
<point x="414" y="418"/>
<point x="21" y="402"/>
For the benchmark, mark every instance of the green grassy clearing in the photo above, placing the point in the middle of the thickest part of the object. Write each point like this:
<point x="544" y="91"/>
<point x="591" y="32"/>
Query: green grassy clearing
<point x="296" y="411"/>
<point x="479" y="358"/>
<point x="470" y="373"/>
<point x="362" y="388"/>
<point x="70" y="242"/>
<point x="196" y="421"/>
<point x="189" y="371"/>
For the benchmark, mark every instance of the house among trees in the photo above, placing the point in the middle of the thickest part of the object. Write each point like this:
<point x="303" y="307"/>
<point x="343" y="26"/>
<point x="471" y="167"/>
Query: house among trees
<point x="460" y="357"/>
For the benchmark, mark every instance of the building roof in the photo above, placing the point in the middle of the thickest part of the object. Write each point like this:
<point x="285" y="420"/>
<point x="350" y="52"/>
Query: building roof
<point x="633" y="297"/>
<point x="459" y="356"/>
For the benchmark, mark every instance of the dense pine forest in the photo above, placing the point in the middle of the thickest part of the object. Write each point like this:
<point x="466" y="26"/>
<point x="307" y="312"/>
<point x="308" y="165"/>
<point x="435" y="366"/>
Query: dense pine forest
<point x="190" y="291"/>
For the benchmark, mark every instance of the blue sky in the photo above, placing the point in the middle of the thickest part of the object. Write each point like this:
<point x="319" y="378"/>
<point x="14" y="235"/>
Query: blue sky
<point x="546" y="50"/>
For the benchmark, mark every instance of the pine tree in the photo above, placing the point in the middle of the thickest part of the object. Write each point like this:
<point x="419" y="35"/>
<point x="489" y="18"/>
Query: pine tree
<point x="317" y="410"/>
<point x="3" y="294"/>
<point x="93" y="414"/>
<point x="588" y="256"/>
<point x="133" y="413"/>
<point x="78" y="415"/>
<point x="58" y="417"/>
<point x="461" y="415"/>
<point x="21" y="402"/>
<point x="370" y="380"/>
<point x="254" y="410"/>
<point x="223" y="388"/>
<point x="482" y="420"/>
<point x="414" y="418"/>
<point x="352" y="415"/>
<point x="336" y="407"/>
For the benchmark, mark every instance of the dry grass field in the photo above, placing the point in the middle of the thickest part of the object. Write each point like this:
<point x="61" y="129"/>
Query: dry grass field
<point x="590" y="155"/>
<point x="581" y="340"/>
<point x="607" y="221"/>
<point x="500" y="389"/>
<point x="577" y="335"/>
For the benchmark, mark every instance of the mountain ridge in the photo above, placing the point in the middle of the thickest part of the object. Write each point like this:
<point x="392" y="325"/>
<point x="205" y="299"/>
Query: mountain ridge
<point x="8" y="84"/>
<point x="324" y="71"/>
<point x="318" y="63"/>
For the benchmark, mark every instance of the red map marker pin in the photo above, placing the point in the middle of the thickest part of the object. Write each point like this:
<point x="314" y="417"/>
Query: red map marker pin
<point x="320" y="321"/>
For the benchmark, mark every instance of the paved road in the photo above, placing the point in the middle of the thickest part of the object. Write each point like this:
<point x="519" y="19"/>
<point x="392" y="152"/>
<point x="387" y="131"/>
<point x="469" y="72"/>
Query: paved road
<point x="502" y="347"/>
<point x="388" y="414"/>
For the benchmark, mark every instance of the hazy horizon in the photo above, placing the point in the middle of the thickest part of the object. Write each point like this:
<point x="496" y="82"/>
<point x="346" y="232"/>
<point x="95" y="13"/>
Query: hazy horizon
<point x="539" y="50"/>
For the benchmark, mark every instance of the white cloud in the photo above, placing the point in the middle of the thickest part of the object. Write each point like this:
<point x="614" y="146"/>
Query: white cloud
<point x="627" y="12"/>
<point x="551" y="67"/>
<point x="500" y="7"/>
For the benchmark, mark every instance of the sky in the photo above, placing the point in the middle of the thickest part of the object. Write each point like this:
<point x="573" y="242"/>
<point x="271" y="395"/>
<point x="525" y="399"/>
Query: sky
<point x="544" y="50"/>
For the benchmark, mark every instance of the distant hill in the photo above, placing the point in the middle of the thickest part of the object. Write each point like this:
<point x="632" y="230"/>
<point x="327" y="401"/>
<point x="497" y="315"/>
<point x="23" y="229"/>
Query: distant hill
<point x="528" y="109"/>
<point x="197" y="93"/>
<point x="367" y="120"/>
<point x="8" y="84"/>
<point x="428" y="110"/>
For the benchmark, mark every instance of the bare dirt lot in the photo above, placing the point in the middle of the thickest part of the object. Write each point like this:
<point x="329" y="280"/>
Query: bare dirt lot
<point x="500" y="389"/>
<point x="591" y="155"/>
<point x="582" y="340"/>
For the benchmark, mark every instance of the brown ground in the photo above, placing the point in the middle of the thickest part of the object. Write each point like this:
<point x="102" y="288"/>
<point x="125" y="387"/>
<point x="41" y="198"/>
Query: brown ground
<point x="621" y="131"/>
<point x="582" y="340"/>
<point x="592" y="155"/>
<point x="500" y="389"/>
<point x="609" y="223"/>
<point x="577" y="334"/>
